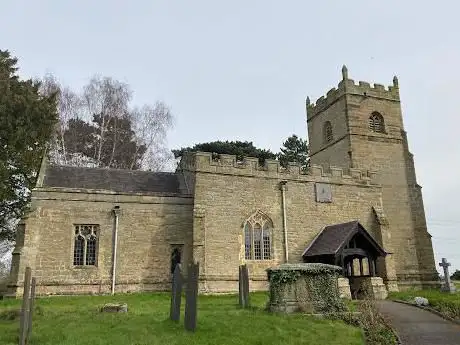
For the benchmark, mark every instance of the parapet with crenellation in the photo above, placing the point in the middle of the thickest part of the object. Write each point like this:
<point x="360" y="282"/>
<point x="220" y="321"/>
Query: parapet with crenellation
<point x="207" y="162"/>
<point x="348" y="86"/>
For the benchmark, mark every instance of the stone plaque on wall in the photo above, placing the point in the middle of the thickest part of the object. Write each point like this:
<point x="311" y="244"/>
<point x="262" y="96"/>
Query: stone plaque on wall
<point x="323" y="192"/>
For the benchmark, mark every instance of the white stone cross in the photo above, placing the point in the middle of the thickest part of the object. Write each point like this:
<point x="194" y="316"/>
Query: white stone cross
<point x="445" y="266"/>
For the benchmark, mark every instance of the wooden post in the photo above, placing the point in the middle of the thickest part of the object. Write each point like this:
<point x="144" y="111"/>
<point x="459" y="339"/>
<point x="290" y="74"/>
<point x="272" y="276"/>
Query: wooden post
<point x="361" y="268"/>
<point x="31" y="308"/>
<point x="25" y="308"/>
<point x="370" y="263"/>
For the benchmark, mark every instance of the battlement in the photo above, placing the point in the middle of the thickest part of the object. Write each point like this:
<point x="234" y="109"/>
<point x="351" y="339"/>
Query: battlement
<point x="348" y="86"/>
<point x="229" y="165"/>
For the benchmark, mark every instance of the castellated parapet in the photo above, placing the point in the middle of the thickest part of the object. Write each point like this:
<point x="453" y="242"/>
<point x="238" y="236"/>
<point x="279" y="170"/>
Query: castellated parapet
<point x="349" y="87"/>
<point x="229" y="165"/>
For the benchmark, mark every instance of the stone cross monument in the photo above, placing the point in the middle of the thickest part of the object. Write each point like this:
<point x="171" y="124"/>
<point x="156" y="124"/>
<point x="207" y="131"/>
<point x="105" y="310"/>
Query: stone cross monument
<point x="448" y="285"/>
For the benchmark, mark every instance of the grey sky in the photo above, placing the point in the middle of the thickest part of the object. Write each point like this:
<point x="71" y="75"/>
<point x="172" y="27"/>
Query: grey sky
<point x="242" y="69"/>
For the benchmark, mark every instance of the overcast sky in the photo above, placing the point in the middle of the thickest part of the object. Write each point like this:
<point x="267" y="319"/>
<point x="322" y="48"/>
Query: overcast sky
<point x="242" y="69"/>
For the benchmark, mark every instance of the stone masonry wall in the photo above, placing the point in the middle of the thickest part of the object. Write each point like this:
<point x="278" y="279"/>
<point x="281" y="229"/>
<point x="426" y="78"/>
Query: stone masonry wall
<point x="340" y="144"/>
<point x="148" y="226"/>
<point x="388" y="154"/>
<point x="228" y="193"/>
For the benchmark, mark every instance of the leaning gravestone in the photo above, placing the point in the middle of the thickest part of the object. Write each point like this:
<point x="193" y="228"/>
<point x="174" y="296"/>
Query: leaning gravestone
<point x="243" y="286"/>
<point x="447" y="286"/>
<point x="191" y="296"/>
<point x="176" y="294"/>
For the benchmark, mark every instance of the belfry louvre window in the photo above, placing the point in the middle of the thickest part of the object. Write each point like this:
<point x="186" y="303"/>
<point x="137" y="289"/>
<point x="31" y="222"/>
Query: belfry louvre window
<point x="85" y="245"/>
<point x="327" y="132"/>
<point x="258" y="237"/>
<point x="376" y="123"/>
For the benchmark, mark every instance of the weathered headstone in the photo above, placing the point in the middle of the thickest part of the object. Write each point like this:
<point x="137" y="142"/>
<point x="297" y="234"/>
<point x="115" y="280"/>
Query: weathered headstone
<point x="176" y="294"/>
<point x="23" y="326"/>
<point x="448" y="286"/>
<point x="243" y="286"/>
<point x="191" y="297"/>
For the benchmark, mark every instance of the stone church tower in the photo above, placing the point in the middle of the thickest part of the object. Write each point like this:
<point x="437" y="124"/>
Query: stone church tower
<point x="361" y="126"/>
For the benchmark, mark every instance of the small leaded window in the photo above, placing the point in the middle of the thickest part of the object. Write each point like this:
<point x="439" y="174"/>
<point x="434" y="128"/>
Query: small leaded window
<point x="327" y="132"/>
<point x="257" y="237"/>
<point x="376" y="123"/>
<point x="85" y="245"/>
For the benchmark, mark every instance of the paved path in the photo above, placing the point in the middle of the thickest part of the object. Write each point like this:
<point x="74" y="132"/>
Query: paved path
<point x="416" y="326"/>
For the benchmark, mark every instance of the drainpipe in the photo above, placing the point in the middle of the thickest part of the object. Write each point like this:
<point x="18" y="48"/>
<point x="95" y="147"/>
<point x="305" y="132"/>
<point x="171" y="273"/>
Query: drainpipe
<point x="283" y="194"/>
<point x="116" y="213"/>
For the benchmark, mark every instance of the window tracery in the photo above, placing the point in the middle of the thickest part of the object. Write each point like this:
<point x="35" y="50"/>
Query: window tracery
<point x="376" y="123"/>
<point x="258" y="237"/>
<point x="85" y="245"/>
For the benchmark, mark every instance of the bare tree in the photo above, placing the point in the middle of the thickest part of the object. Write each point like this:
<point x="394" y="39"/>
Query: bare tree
<point x="69" y="107"/>
<point x="107" y="99"/>
<point x="151" y="123"/>
<point x="97" y="128"/>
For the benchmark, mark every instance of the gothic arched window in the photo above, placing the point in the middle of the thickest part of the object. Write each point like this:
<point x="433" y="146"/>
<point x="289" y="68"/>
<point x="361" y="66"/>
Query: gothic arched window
<point x="258" y="234"/>
<point x="376" y="123"/>
<point x="327" y="132"/>
<point x="85" y="245"/>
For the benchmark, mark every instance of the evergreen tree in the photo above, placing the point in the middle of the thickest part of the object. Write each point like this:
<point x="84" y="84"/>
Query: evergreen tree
<point x="294" y="149"/>
<point x="456" y="275"/>
<point x="239" y="148"/>
<point x="27" y="122"/>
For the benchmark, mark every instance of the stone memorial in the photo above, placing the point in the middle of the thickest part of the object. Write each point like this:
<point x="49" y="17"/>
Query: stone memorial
<point x="176" y="294"/>
<point x="115" y="308"/>
<point x="306" y="287"/>
<point x="243" y="286"/>
<point x="191" y="296"/>
<point x="447" y="286"/>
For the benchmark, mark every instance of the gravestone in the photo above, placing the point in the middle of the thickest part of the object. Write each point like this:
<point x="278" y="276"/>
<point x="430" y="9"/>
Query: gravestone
<point x="448" y="286"/>
<point x="243" y="286"/>
<point x="176" y="294"/>
<point x="191" y="296"/>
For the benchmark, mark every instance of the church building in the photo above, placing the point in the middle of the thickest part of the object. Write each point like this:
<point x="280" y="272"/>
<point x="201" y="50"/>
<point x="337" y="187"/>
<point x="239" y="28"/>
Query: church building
<point x="93" y="230"/>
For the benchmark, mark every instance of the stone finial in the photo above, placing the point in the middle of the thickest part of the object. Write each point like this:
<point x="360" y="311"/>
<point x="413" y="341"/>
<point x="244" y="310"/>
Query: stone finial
<point x="307" y="101"/>
<point x="344" y="72"/>
<point x="395" y="81"/>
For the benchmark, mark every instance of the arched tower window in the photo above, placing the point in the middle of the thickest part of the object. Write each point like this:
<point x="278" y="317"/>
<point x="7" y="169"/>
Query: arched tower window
<point x="258" y="235"/>
<point x="376" y="123"/>
<point x="327" y="132"/>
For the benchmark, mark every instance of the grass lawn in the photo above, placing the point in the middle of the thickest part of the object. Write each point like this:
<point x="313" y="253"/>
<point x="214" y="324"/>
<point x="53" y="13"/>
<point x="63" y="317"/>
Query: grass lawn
<point x="77" y="320"/>
<point x="446" y="303"/>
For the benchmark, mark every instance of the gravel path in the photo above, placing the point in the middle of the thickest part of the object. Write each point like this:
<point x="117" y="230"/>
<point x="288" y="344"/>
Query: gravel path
<point x="416" y="326"/>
